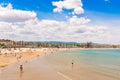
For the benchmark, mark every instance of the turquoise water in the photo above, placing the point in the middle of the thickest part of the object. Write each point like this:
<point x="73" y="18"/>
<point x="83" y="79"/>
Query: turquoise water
<point x="87" y="65"/>
<point x="93" y="62"/>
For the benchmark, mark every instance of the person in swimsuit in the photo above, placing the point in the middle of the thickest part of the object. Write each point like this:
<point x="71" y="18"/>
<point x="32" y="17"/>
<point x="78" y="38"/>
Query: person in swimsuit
<point x="21" y="68"/>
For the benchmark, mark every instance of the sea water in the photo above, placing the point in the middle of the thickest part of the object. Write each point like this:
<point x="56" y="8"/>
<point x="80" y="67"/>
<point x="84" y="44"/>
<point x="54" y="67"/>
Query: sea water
<point x="87" y="65"/>
<point x="92" y="64"/>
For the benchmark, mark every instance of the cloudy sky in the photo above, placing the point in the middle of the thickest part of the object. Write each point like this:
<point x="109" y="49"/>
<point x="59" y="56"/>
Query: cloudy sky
<point x="61" y="20"/>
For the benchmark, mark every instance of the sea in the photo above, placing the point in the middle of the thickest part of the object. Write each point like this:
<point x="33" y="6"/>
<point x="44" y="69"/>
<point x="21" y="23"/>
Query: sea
<point x="91" y="64"/>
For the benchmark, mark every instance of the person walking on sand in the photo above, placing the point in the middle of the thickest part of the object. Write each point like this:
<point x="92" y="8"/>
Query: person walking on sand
<point x="21" y="68"/>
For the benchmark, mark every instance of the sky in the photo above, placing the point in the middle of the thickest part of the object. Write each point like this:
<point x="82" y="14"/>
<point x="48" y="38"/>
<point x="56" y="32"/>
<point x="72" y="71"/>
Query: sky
<point x="95" y="21"/>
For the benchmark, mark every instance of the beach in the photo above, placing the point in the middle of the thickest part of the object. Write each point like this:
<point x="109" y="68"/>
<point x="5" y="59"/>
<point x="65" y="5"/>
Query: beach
<point x="33" y="63"/>
<point x="54" y="64"/>
<point x="12" y="56"/>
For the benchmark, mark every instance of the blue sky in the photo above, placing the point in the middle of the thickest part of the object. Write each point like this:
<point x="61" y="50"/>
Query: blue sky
<point x="93" y="8"/>
<point x="45" y="6"/>
<point x="94" y="13"/>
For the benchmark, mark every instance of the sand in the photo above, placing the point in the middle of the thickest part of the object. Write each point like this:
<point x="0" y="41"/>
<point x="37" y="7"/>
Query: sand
<point x="12" y="56"/>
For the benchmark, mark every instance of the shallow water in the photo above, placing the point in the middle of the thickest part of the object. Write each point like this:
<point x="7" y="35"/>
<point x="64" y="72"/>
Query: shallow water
<point x="87" y="65"/>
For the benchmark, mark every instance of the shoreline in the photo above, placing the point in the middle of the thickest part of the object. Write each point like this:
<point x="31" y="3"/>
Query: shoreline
<point x="42" y="65"/>
<point x="31" y="53"/>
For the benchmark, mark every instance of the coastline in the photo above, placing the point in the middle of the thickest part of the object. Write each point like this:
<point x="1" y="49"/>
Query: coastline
<point x="30" y="53"/>
<point x="42" y="66"/>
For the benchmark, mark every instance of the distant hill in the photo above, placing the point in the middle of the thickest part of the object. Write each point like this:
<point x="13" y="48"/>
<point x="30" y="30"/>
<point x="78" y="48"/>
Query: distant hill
<point x="58" y="42"/>
<point x="4" y="40"/>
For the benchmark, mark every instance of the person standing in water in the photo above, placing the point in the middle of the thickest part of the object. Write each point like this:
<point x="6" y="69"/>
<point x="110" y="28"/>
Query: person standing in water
<point x="21" y="68"/>
<point x="72" y="64"/>
<point x="21" y="72"/>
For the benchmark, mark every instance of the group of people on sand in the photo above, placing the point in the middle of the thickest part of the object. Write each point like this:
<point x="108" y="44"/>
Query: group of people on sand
<point x="11" y="53"/>
<point x="15" y="52"/>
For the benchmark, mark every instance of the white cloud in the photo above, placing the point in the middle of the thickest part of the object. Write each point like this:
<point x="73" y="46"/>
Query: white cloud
<point x="76" y="5"/>
<point x="9" y="14"/>
<point x="5" y="27"/>
<point x="78" y="21"/>
<point x="78" y="10"/>
<point x="70" y="30"/>
<point x="57" y="30"/>
<point x="57" y="10"/>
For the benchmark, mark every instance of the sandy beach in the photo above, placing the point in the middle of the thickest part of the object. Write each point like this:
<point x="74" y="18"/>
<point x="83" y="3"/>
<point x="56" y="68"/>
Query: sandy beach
<point x="13" y="56"/>
<point x="53" y="66"/>
<point x="32" y="61"/>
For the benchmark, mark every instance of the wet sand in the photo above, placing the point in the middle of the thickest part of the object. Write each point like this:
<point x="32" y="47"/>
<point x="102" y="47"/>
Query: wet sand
<point x="35" y="69"/>
<point x="12" y="56"/>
